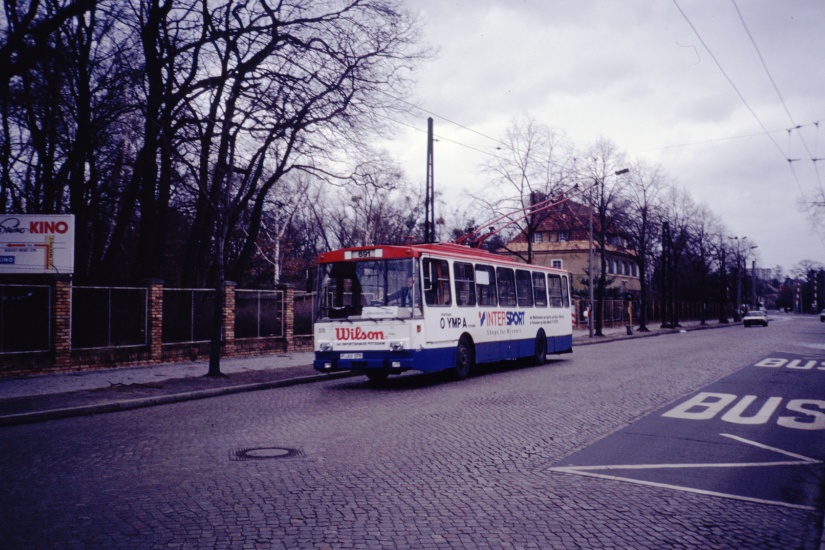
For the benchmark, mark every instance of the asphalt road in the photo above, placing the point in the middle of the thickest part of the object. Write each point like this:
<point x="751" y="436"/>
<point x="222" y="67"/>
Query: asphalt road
<point x="617" y="445"/>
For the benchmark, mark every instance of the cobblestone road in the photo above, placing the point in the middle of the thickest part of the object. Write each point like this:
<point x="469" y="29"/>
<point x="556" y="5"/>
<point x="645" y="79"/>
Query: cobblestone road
<point x="413" y="463"/>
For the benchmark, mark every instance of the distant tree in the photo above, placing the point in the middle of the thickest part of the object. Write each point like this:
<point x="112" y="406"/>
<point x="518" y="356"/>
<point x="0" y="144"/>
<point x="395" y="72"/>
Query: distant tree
<point x="723" y="254"/>
<point x="704" y="225"/>
<point x="640" y="221"/>
<point x="806" y="273"/>
<point x="604" y="163"/>
<point x="679" y="210"/>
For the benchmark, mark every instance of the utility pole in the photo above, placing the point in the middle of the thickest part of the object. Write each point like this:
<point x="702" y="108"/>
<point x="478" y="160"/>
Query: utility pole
<point x="590" y="266"/>
<point x="667" y="278"/>
<point x="429" y="193"/>
<point x="754" y="293"/>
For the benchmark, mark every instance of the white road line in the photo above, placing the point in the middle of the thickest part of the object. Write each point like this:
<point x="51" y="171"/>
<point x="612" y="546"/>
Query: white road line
<point x="774" y="449"/>
<point x="696" y="465"/>
<point x="589" y="471"/>
<point x="573" y="470"/>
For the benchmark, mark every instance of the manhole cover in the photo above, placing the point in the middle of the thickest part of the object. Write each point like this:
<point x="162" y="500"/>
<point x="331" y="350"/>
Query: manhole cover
<point x="263" y="453"/>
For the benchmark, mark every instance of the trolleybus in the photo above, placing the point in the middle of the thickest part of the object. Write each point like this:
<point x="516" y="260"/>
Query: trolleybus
<point x="385" y="310"/>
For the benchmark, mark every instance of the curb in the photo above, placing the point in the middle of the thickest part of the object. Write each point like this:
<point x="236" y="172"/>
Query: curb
<point x="130" y="404"/>
<point x="89" y="410"/>
<point x="587" y="341"/>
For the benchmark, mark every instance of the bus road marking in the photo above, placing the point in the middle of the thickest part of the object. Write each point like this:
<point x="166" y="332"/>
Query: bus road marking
<point x="591" y="471"/>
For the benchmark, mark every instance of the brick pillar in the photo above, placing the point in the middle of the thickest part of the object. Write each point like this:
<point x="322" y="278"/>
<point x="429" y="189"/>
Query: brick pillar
<point x="62" y="315"/>
<point x="229" y="318"/>
<point x="289" y="316"/>
<point x="155" y="319"/>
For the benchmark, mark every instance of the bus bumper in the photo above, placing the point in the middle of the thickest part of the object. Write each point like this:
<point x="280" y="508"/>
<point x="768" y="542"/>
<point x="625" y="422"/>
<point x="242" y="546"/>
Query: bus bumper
<point x="394" y="363"/>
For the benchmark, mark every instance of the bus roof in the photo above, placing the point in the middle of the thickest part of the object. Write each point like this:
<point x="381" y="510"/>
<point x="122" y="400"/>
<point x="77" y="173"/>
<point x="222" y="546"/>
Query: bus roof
<point x="451" y="250"/>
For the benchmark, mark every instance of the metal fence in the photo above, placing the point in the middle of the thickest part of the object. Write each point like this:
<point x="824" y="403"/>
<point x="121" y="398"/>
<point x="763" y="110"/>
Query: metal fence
<point x="187" y="315"/>
<point x="25" y="318"/>
<point x="616" y="312"/>
<point x="109" y="317"/>
<point x="304" y="312"/>
<point x="259" y="313"/>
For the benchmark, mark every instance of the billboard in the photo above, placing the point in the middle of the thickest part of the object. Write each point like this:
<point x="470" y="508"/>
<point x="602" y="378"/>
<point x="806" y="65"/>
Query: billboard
<point x="36" y="243"/>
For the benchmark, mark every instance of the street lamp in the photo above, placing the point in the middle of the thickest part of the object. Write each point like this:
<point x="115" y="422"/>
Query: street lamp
<point x="737" y="311"/>
<point x="590" y="249"/>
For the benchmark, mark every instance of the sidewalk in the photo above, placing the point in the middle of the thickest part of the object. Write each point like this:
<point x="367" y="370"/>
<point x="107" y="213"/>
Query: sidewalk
<point x="38" y="398"/>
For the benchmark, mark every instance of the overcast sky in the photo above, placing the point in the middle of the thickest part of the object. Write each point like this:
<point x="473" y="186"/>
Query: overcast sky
<point x="636" y="73"/>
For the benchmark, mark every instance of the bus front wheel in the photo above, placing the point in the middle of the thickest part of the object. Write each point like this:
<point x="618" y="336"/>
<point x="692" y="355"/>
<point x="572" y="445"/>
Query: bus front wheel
<point x="463" y="359"/>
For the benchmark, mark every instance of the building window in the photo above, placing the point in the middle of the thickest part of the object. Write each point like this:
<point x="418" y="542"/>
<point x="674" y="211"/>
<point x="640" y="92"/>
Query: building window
<point x="564" y="236"/>
<point x="557" y="264"/>
<point x="538" y="237"/>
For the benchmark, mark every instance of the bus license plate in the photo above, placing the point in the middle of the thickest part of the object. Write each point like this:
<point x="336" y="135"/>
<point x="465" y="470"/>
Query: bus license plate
<point x="352" y="356"/>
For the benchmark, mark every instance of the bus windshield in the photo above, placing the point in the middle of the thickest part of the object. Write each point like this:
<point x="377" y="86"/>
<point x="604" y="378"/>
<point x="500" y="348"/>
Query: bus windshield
<point x="369" y="288"/>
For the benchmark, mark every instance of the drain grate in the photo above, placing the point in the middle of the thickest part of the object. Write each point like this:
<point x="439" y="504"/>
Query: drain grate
<point x="265" y="453"/>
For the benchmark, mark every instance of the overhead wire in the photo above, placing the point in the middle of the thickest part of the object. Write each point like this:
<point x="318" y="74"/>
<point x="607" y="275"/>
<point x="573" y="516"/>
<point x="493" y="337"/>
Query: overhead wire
<point x="795" y="126"/>
<point x="422" y="109"/>
<point x="441" y="137"/>
<point x="738" y="93"/>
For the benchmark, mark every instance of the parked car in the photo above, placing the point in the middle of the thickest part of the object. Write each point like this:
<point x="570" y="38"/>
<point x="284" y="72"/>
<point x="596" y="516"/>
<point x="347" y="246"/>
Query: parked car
<point x="755" y="317"/>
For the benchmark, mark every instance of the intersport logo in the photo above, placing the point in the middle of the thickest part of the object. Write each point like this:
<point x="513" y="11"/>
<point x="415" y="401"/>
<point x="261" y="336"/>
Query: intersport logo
<point x="347" y="333"/>
<point x="501" y="318"/>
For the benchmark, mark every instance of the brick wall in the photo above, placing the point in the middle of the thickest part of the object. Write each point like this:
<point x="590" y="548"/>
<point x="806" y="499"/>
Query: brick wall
<point x="63" y="358"/>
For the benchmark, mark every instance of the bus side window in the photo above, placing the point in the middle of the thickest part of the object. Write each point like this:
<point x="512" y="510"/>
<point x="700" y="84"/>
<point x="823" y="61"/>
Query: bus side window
<point x="539" y="290"/>
<point x="465" y="284"/>
<point x="565" y="292"/>
<point x="436" y="282"/>
<point x="524" y="288"/>
<point x="506" y="282"/>
<point x="554" y="285"/>
<point x="486" y="286"/>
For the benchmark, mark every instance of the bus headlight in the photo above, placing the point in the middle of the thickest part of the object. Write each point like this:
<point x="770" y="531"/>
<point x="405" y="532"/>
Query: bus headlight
<point x="396" y="346"/>
<point x="326" y="346"/>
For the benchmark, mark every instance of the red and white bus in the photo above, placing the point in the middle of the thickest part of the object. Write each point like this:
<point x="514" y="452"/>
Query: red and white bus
<point x="437" y="307"/>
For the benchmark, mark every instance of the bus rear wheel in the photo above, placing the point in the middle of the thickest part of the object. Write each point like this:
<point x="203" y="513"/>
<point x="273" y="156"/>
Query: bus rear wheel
<point x="540" y="356"/>
<point x="464" y="359"/>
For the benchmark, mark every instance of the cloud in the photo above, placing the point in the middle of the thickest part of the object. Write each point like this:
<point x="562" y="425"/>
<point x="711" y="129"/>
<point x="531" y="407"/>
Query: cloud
<point x="636" y="73"/>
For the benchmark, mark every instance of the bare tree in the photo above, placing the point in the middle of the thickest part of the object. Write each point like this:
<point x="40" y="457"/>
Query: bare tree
<point x="276" y="89"/>
<point x="533" y="166"/>
<point x="66" y="108"/>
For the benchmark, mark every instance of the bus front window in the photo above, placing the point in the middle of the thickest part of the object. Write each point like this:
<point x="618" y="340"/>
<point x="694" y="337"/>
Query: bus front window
<point x="348" y="287"/>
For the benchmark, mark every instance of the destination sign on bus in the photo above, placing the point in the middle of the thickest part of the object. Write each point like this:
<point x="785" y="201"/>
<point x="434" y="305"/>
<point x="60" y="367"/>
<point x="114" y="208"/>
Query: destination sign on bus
<point x="364" y="254"/>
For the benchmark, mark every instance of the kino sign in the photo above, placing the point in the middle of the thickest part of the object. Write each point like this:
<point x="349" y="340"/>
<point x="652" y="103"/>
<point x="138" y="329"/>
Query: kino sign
<point x="36" y="244"/>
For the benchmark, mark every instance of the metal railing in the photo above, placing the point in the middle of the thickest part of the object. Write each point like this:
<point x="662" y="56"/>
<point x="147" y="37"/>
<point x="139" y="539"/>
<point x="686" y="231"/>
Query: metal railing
<point x="303" y="313"/>
<point x="259" y="313"/>
<point x="25" y="318"/>
<point x="187" y="315"/>
<point x="109" y="317"/>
